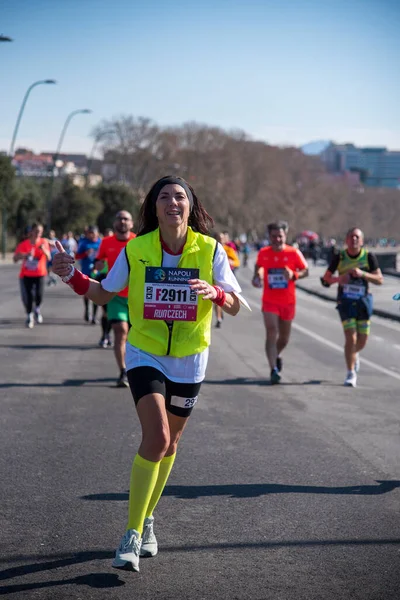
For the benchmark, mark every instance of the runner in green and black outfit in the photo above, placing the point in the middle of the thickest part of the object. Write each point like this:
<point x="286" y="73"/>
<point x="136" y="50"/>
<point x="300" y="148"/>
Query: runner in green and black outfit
<point x="357" y="268"/>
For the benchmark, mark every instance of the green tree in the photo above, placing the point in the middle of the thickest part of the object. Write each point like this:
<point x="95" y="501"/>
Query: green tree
<point x="114" y="197"/>
<point x="7" y="197"/>
<point x="7" y="178"/>
<point x="73" y="208"/>
<point x="28" y="205"/>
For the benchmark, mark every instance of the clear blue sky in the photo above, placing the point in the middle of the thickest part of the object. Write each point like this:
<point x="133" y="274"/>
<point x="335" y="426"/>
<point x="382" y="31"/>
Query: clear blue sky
<point x="284" y="71"/>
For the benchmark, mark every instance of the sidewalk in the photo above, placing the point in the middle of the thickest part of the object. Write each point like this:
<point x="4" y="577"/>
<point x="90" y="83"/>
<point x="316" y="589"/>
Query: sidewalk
<point x="8" y="260"/>
<point x="384" y="306"/>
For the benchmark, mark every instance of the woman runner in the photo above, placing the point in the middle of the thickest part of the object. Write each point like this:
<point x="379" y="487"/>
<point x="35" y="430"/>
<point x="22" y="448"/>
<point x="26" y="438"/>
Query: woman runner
<point x="175" y="272"/>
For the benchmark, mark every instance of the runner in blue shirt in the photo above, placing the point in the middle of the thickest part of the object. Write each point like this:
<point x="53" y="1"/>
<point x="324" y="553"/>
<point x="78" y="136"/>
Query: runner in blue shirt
<point x="87" y="251"/>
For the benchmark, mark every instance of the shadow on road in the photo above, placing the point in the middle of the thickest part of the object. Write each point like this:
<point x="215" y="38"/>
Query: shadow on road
<point x="264" y="382"/>
<point x="93" y="580"/>
<point x="66" y="383"/>
<point x="48" y="321"/>
<point x="188" y="492"/>
<point x="28" y="346"/>
<point x="107" y="580"/>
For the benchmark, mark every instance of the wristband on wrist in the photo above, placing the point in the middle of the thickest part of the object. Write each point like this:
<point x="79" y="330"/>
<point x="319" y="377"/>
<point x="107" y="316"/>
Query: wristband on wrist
<point x="67" y="278"/>
<point x="295" y="276"/>
<point x="221" y="296"/>
<point x="77" y="281"/>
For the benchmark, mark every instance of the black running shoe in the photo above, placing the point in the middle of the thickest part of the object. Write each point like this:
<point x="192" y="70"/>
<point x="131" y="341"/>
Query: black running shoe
<point x="275" y="377"/>
<point x="279" y="364"/>
<point x="122" y="380"/>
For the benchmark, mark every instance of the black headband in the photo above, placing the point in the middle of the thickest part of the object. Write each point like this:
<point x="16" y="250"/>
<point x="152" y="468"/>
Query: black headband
<point x="167" y="181"/>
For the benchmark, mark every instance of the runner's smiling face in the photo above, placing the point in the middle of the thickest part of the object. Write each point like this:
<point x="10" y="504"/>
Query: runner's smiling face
<point x="277" y="238"/>
<point x="354" y="241"/>
<point x="172" y="206"/>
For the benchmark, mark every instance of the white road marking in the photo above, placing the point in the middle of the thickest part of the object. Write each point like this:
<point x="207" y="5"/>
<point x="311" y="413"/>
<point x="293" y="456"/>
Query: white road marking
<point x="393" y="325"/>
<point x="377" y="338"/>
<point x="334" y="346"/>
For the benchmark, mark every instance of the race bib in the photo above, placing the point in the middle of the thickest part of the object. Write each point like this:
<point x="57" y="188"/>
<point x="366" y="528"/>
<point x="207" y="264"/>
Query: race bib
<point x="167" y="294"/>
<point x="183" y="402"/>
<point x="276" y="279"/>
<point x="353" y="291"/>
<point x="31" y="264"/>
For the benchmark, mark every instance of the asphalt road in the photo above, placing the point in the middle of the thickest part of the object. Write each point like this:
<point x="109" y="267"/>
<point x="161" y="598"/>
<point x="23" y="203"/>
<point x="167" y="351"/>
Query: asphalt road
<point x="288" y="492"/>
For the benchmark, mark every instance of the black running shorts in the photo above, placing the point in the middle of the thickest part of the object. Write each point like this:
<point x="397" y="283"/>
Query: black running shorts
<point x="180" y="398"/>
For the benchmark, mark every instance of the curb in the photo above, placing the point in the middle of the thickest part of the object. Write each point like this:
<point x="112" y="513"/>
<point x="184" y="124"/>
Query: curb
<point x="377" y="311"/>
<point x="391" y="272"/>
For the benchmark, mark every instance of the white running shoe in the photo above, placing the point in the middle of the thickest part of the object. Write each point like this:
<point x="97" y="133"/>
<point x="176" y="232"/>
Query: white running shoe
<point x="357" y="363"/>
<point x="127" y="554"/>
<point x="29" y="321"/>
<point x="149" y="545"/>
<point x="351" y="379"/>
<point x="38" y="317"/>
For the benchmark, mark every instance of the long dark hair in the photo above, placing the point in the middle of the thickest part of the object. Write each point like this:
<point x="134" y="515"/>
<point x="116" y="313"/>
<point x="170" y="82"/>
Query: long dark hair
<point x="199" y="219"/>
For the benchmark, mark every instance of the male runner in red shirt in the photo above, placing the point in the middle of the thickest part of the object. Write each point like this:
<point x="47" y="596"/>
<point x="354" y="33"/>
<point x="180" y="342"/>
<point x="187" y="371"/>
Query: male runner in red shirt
<point x="279" y="265"/>
<point x="117" y="308"/>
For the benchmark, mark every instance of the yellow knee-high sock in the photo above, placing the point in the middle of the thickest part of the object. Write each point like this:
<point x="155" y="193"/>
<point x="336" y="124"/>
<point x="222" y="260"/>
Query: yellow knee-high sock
<point x="144" y="476"/>
<point x="165" y="469"/>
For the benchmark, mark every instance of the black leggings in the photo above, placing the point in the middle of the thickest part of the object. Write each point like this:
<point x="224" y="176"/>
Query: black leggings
<point x="32" y="290"/>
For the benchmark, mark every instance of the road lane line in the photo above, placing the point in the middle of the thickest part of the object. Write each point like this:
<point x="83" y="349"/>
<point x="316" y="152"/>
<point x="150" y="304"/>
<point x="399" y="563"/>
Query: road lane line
<point x="393" y="325"/>
<point x="334" y="346"/>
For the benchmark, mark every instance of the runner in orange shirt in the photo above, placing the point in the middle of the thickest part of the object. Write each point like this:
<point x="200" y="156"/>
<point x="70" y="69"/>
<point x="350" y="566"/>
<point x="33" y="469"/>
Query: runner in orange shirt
<point x="279" y="265"/>
<point x="117" y="308"/>
<point x="234" y="263"/>
<point x="34" y="253"/>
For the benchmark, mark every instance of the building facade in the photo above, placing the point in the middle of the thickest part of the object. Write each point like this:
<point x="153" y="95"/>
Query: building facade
<point x="377" y="167"/>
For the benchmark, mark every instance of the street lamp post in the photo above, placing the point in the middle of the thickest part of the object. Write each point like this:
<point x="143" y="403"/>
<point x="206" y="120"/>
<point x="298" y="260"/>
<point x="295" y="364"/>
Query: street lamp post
<point x="11" y="153"/>
<point x="4" y="38"/>
<point x="55" y="158"/>
<point x="21" y="110"/>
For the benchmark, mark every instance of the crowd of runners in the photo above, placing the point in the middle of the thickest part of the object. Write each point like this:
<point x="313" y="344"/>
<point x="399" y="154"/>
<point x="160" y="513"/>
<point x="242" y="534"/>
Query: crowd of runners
<point x="277" y="267"/>
<point x="158" y="292"/>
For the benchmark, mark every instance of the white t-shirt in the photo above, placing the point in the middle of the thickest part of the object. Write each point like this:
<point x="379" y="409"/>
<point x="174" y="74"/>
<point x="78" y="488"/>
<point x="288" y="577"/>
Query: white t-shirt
<point x="189" y="369"/>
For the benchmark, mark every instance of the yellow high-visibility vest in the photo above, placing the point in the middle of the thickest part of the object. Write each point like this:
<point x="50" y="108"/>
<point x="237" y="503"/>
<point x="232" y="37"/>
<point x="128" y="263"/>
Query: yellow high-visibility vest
<point x="179" y="338"/>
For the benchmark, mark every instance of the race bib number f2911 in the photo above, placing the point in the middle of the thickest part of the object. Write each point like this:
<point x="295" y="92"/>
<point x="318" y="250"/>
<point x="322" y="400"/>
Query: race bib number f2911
<point x="167" y="294"/>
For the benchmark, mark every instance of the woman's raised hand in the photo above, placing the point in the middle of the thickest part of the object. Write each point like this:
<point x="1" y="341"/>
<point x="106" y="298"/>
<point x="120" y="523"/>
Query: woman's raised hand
<point x="62" y="262"/>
